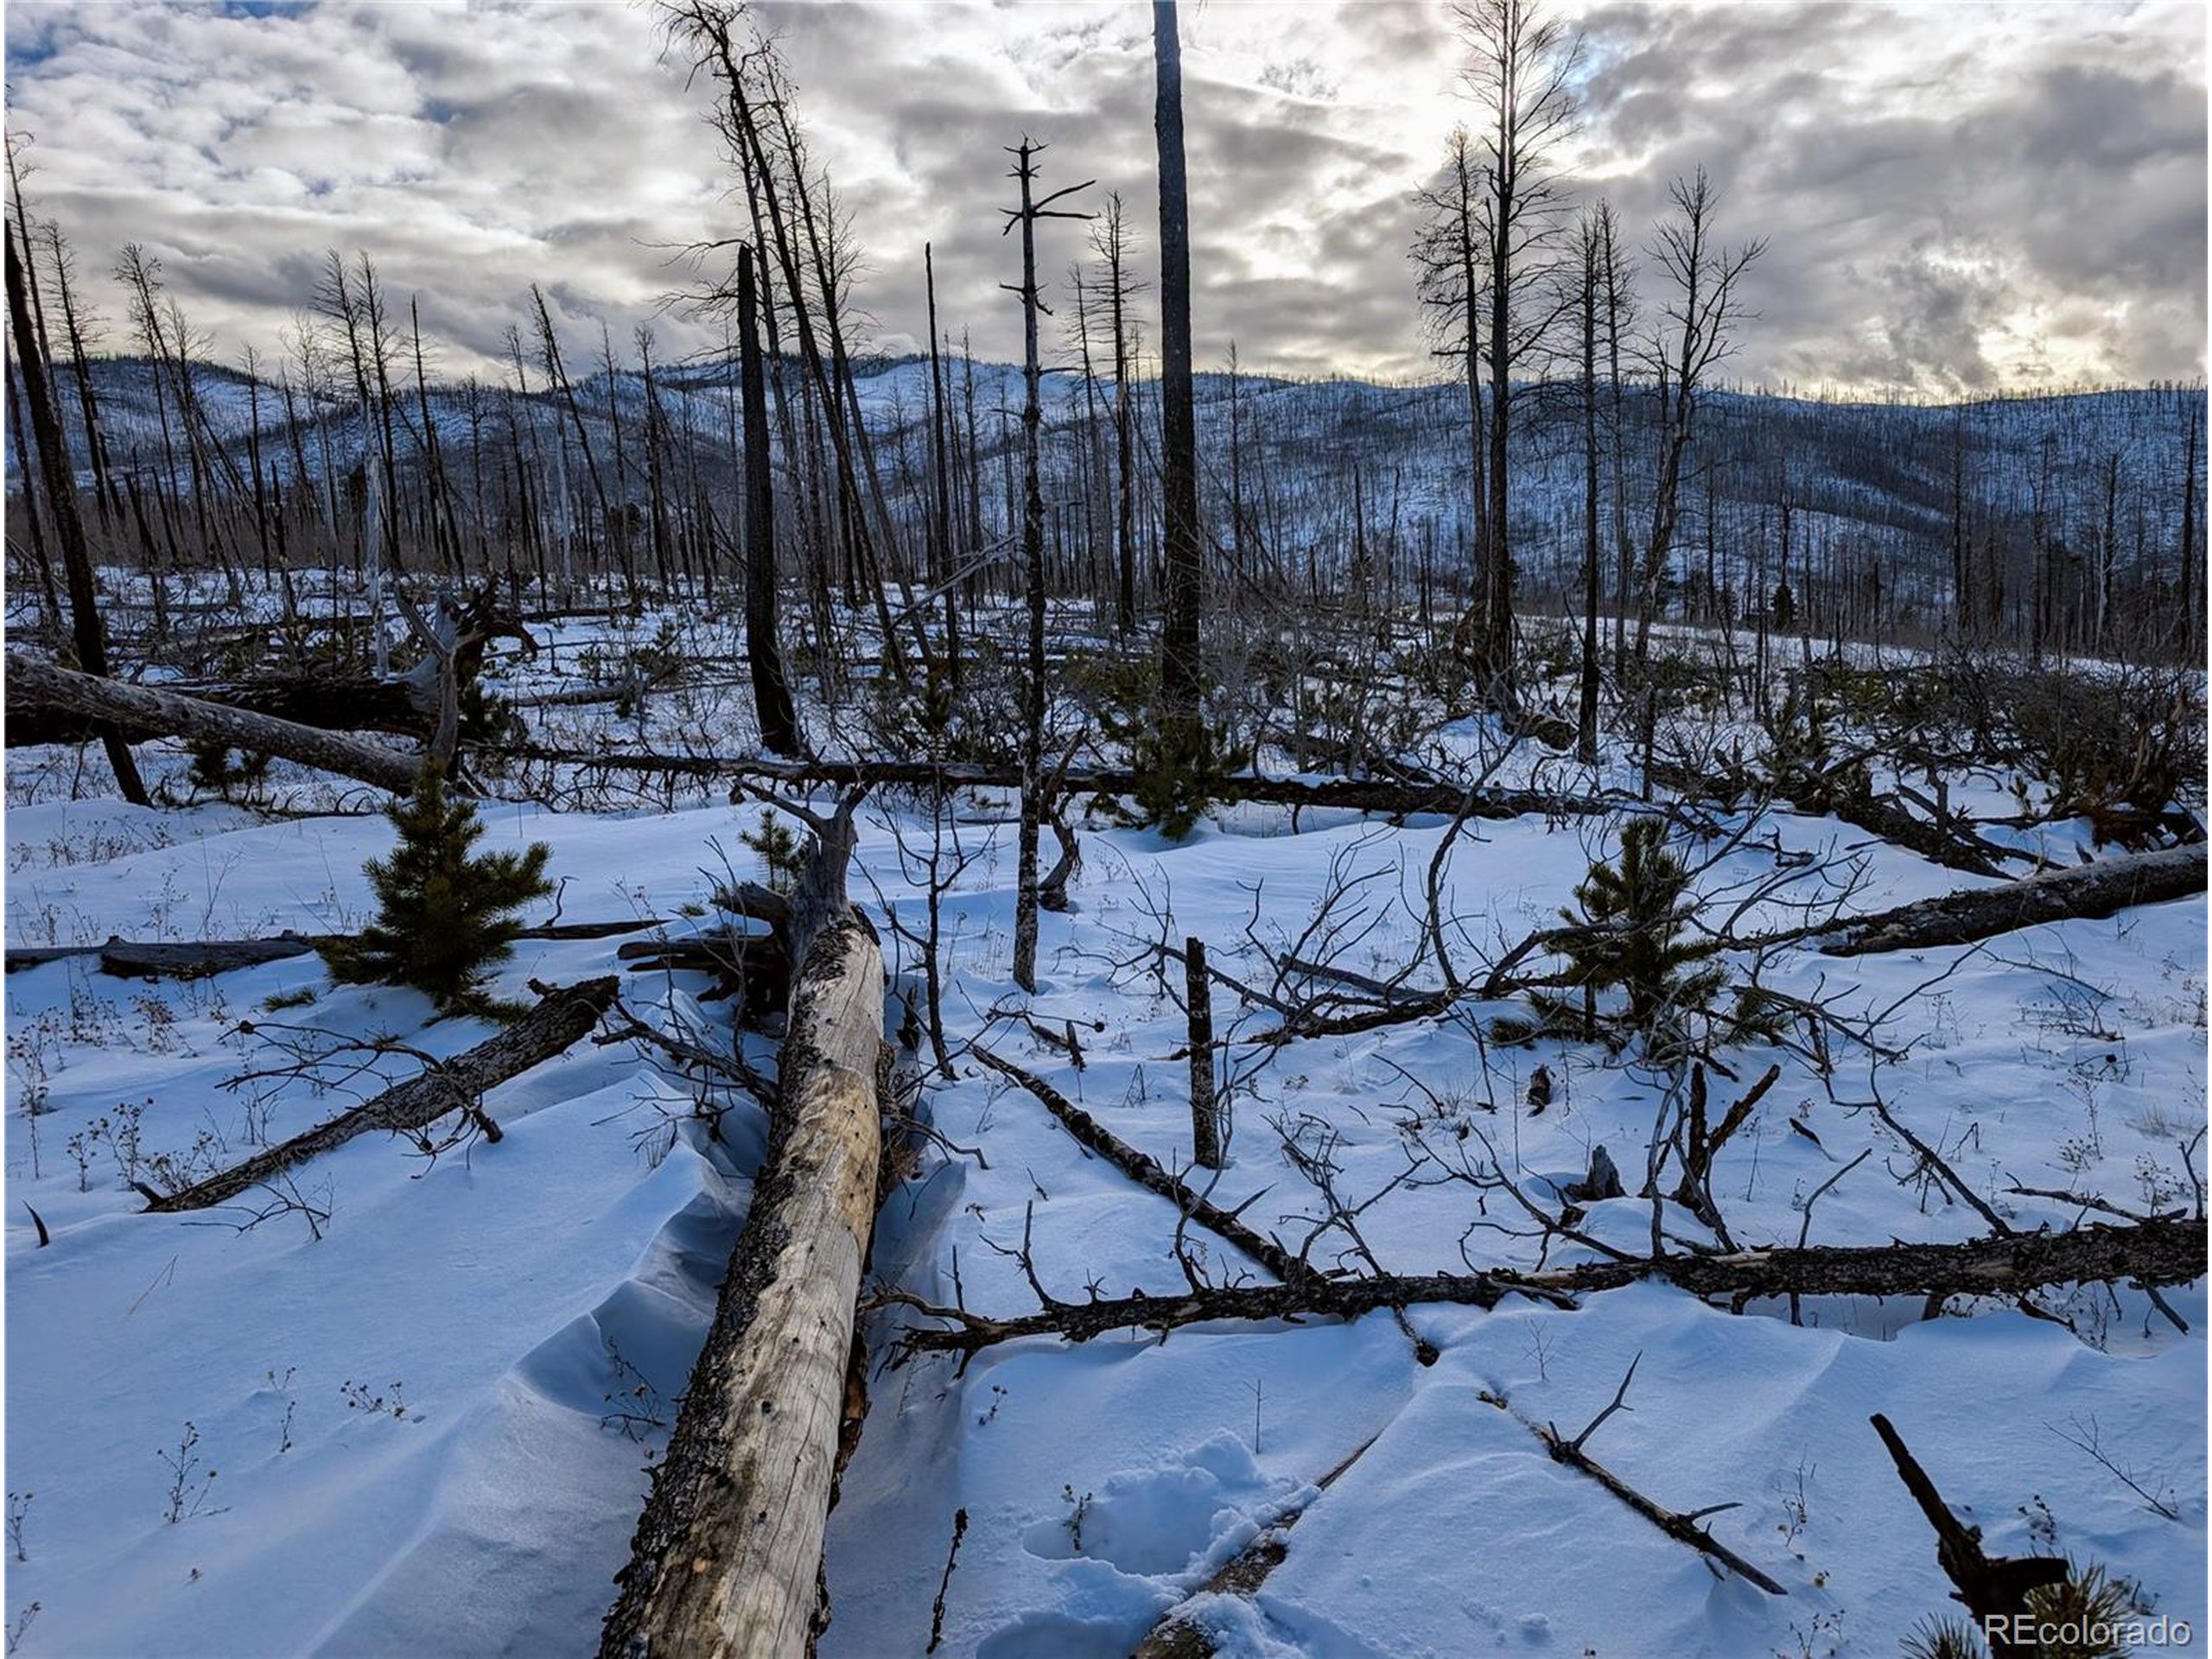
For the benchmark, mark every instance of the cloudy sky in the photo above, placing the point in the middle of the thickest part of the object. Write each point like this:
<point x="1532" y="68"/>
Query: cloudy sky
<point x="1959" y="197"/>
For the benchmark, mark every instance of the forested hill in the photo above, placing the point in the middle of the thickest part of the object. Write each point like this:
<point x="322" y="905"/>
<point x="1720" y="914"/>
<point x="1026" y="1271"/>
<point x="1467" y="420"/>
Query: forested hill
<point x="1880" y="508"/>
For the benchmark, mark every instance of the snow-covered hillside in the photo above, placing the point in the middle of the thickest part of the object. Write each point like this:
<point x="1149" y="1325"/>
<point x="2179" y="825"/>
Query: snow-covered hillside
<point x="1884" y="486"/>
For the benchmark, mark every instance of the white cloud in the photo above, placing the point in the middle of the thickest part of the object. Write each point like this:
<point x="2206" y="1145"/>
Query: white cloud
<point x="1955" y="195"/>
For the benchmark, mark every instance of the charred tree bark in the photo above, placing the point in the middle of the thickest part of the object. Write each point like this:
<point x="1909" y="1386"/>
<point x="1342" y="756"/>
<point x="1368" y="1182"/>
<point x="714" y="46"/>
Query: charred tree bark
<point x="1383" y="795"/>
<point x="1181" y="673"/>
<point x="2087" y="893"/>
<point x="2159" y="1252"/>
<point x="1205" y="1116"/>
<point x="771" y="693"/>
<point x="1992" y="1587"/>
<point x="157" y="959"/>
<point x="1143" y="1168"/>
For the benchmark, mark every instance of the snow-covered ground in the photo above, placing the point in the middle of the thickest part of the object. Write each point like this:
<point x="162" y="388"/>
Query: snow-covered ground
<point x="420" y="1433"/>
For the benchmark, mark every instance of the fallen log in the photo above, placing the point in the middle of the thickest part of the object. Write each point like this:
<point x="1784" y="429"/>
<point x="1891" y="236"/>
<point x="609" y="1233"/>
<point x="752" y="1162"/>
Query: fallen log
<point x="726" y="1558"/>
<point x="752" y="966"/>
<point x="34" y="685"/>
<point x="2087" y="893"/>
<point x="2151" y="1253"/>
<point x="395" y="707"/>
<point x="563" y="1016"/>
<point x="1386" y="795"/>
<point x="1143" y="1168"/>
<point x="407" y="704"/>
<point x="198" y="959"/>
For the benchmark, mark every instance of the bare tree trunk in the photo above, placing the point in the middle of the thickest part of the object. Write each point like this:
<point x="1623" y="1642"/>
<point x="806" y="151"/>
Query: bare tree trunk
<point x="1205" y="1117"/>
<point x="69" y="525"/>
<point x="1182" y="672"/>
<point x="1586" y="745"/>
<point x="771" y="695"/>
<point x="1034" y="699"/>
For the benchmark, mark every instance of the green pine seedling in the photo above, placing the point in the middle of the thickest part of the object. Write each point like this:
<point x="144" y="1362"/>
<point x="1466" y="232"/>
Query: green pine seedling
<point x="445" y="918"/>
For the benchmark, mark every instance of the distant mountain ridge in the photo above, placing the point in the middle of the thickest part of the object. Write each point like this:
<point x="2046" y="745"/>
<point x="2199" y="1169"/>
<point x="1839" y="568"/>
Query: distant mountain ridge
<point x="1894" y="485"/>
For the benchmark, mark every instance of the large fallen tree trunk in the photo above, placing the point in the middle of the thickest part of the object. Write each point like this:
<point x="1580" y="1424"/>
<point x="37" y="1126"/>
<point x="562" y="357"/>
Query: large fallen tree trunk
<point x="562" y="1017"/>
<point x="404" y="705"/>
<point x="2084" y="893"/>
<point x="401" y="708"/>
<point x="2159" y="1252"/>
<point x="727" y="1559"/>
<point x="1382" y="795"/>
<point x="34" y="685"/>
<point x="197" y="959"/>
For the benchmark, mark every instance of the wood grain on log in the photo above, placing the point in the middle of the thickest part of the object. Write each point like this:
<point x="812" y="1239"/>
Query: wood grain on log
<point x="726" y="1558"/>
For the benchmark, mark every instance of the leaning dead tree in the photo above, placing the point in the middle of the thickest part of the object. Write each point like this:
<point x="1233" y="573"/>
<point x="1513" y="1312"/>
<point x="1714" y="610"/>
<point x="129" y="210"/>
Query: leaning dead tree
<point x="727" y="1559"/>
<point x="34" y="685"/>
<point x="562" y="1017"/>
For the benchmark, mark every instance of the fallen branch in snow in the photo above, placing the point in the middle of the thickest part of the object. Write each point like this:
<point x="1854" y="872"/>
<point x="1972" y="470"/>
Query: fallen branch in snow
<point x="1145" y="1171"/>
<point x="1994" y="1588"/>
<point x="2163" y="1252"/>
<point x="1176" y="1638"/>
<point x="563" y="1016"/>
<point x="1683" y="1528"/>
<point x="1388" y="796"/>
<point x="726" y="1558"/>
<point x="2087" y="893"/>
<point x="406" y="705"/>
<point x="198" y="959"/>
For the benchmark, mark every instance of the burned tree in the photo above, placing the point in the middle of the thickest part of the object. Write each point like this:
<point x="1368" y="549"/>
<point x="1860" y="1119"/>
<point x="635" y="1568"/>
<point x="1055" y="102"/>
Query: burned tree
<point x="1035" y="697"/>
<point x="1521" y="61"/>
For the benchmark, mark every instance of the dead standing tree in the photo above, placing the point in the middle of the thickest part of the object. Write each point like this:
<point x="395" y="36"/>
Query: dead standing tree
<point x="1182" y="673"/>
<point x="771" y="693"/>
<point x="59" y="478"/>
<point x="1034" y="700"/>
<point x="1520" y="72"/>
<point x="1110" y="240"/>
<point x="1695" y="334"/>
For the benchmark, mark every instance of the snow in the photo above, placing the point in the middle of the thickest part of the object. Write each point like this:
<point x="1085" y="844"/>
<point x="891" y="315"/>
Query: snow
<point x="486" y="1297"/>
